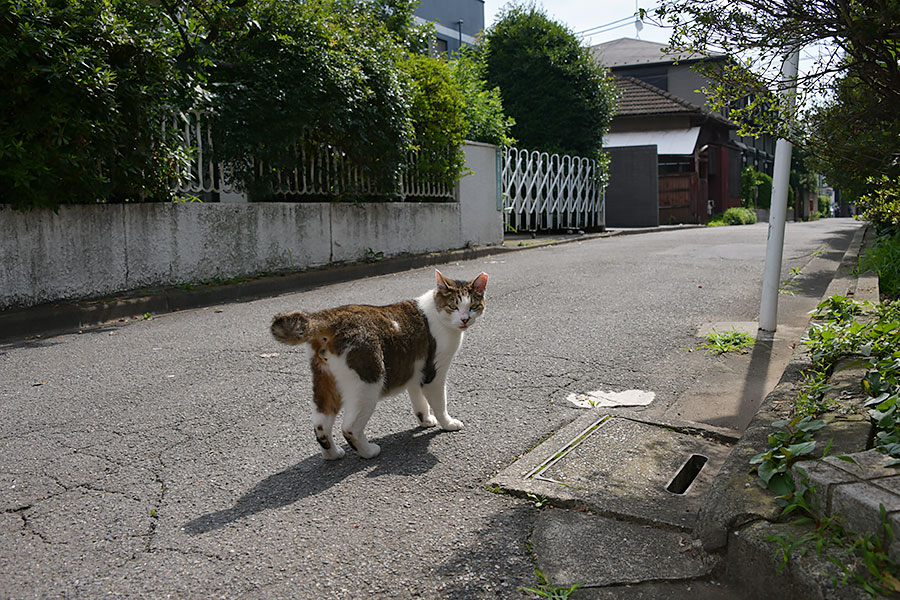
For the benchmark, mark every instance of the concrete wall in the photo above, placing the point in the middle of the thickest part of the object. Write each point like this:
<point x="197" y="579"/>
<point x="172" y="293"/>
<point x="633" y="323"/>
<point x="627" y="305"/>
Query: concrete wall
<point x="632" y="197"/>
<point x="480" y="199"/>
<point x="88" y="251"/>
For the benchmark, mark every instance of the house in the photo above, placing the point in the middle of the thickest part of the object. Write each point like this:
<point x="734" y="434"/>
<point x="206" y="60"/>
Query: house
<point x="698" y="152"/>
<point x="693" y="164"/>
<point x="457" y="23"/>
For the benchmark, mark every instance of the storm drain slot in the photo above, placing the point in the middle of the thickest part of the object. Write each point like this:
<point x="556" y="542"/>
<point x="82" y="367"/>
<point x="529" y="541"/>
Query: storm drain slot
<point x="687" y="474"/>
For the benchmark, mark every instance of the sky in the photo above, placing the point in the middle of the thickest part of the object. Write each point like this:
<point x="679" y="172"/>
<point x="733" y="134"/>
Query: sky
<point x="582" y="15"/>
<point x="598" y="21"/>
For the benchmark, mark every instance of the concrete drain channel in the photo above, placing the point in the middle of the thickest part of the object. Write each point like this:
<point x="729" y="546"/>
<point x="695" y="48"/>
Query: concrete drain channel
<point x="621" y="468"/>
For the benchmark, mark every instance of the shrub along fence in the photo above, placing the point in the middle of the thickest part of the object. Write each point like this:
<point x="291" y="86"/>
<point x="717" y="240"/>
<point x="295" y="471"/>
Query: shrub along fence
<point x="319" y="171"/>
<point x="544" y="191"/>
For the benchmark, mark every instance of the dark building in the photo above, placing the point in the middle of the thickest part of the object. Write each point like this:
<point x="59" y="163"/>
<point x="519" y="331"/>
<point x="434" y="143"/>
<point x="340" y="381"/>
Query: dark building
<point x="457" y="22"/>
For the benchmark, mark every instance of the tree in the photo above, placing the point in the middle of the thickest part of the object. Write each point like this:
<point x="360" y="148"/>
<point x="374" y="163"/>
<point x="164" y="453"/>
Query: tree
<point x="485" y="118"/>
<point x="561" y="101"/>
<point x="85" y="90"/>
<point x="850" y="94"/>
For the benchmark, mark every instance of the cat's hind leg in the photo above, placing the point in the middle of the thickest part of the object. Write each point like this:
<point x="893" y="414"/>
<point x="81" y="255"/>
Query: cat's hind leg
<point x="357" y="412"/>
<point x="420" y="406"/>
<point x="326" y="404"/>
<point x="322" y="425"/>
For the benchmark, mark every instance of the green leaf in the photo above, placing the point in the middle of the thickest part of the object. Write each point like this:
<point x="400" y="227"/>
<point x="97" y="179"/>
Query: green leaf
<point x="781" y="484"/>
<point x="802" y="448"/>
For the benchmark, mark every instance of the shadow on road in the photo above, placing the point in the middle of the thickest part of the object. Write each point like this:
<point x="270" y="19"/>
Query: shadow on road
<point x="408" y="455"/>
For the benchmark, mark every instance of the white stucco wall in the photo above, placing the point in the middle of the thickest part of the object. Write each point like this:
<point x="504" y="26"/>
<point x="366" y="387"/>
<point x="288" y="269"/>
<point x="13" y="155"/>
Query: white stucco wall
<point x="88" y="251"/>
<point x="481" y="219"/>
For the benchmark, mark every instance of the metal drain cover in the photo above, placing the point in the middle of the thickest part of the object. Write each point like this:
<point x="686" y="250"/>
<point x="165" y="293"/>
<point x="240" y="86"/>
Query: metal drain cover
<point x="620" y="466"/>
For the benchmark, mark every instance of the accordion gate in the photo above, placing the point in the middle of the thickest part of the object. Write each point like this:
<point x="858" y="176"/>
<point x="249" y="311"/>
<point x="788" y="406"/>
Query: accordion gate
<point x="544" y="191"/>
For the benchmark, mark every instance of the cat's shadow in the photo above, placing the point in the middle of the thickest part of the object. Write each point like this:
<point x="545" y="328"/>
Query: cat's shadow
<point x="404" y="453"/>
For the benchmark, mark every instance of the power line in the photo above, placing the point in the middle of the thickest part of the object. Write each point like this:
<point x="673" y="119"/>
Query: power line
<point x="618" y="23"/>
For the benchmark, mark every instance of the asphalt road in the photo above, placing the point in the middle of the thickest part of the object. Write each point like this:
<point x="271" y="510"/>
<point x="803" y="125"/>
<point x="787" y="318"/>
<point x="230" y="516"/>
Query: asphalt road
<point x="174" y="457"/>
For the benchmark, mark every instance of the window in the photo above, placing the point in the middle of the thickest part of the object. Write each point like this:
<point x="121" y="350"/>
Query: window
<point x="439" y="47"/>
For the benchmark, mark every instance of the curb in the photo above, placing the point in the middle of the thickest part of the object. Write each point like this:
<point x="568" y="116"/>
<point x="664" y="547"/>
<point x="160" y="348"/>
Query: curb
<point x="738" y="516"/>
<point x="67" y="317"/>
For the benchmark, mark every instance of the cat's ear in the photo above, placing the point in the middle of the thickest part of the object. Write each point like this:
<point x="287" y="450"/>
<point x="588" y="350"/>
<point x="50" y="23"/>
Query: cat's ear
<point x="479" y="283"/>
<point x="443" y="285"/>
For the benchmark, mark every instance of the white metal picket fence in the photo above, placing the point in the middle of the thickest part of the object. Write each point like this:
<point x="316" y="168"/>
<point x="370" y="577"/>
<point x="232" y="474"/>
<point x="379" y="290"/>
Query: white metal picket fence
<point x="321" y="170"/>
<point x="547" y="191"/>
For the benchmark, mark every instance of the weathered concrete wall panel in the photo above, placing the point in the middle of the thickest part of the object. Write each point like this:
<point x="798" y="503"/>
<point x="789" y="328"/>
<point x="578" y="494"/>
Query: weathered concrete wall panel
<point x="45" y="256"/>
<point x="393" y="228"/>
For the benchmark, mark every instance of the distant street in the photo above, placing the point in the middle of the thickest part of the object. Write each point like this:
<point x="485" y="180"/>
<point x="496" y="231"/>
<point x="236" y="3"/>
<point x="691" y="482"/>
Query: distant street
<point x="174" y="457"/>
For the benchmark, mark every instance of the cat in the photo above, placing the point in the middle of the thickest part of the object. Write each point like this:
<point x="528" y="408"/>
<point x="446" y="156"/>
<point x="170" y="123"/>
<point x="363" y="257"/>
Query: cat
<point x="359" y="354"/>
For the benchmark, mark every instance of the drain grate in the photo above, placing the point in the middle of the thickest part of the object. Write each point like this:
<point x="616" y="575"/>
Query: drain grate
<point x="687" y="474"/>
<point x="620" y="466"/>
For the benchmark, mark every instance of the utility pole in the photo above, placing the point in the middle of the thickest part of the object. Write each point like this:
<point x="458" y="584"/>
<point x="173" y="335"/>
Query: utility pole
<point x="768" y="310"/>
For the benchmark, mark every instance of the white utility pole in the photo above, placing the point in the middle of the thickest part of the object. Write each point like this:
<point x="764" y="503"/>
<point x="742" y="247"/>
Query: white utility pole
<point x="768" y="310"/>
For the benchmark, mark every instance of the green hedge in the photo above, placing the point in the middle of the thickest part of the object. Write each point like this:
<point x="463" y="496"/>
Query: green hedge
<point x="734" y="216"/>
<point x="88" y="85"/>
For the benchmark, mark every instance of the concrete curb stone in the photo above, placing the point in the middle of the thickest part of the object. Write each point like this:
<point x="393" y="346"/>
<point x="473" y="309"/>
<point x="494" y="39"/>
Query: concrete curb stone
<point x="740" y="518"/>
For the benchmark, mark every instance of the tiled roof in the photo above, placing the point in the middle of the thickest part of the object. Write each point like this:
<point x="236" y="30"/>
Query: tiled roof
<point x="627" y="52"/>
<point x="639" y="98"/>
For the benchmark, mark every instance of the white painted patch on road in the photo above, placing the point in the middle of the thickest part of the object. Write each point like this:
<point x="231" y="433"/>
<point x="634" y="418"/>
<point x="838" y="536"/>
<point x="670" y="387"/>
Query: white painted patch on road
<point x="603" y="399"/>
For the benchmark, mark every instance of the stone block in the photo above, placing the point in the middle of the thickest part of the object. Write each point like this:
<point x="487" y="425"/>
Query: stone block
<point x="859" y="506"/>
<point x="824" y="478"/>
<point x="866" y="465"/>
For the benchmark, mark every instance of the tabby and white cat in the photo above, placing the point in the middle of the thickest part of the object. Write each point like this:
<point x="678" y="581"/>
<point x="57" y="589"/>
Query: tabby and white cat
<point x="360" y="354"/>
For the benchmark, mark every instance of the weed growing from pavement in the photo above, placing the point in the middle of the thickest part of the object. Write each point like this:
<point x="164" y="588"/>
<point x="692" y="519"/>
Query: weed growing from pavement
<point x="538" y="500"/>
<point x="811" y="400"/>
<point x="547" y="590"/>
<point x="861" y="559"/>
<point x="729" y="341"/>
<point x="786" y="447"/>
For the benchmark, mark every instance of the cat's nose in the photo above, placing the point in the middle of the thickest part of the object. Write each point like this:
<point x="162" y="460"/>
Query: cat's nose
<point x="464" y="319"/>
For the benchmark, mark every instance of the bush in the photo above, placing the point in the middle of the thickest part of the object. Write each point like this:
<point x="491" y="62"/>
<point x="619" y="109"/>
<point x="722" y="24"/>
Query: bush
<point x="882" y="204"/>
<point x="764" y="191"/>
<point x="326" y="67"/>
<point x="884" y="258"/>
<point x="750" y="181"/>
<point x="86" y="86"/>
<point x="561" y="100"/>
<point x="437" y="114"/>
<point x="739" y="216"/>
<point x="483" y="110"/>
<point x="89" y="83"/>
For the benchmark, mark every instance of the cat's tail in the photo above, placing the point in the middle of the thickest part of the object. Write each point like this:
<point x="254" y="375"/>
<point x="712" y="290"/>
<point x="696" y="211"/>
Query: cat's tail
<point x="291" y="328"/>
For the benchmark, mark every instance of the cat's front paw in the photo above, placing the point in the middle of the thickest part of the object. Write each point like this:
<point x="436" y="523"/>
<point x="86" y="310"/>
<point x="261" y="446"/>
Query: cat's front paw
<point x="427" y="421"/>
<point x="452" y="424"/>
<point x="369" y="451"/>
